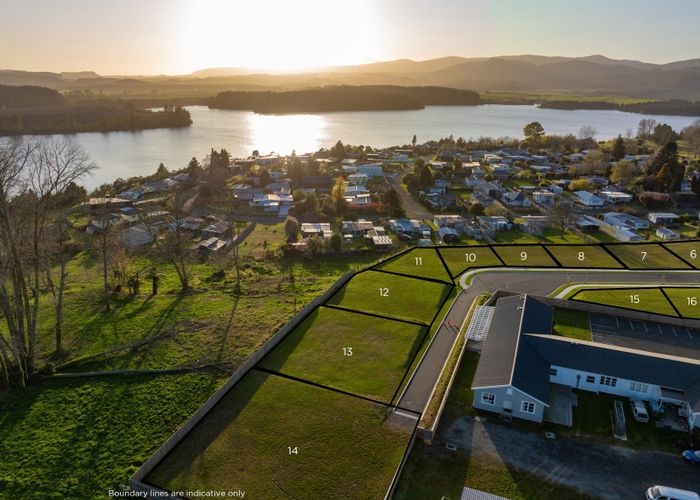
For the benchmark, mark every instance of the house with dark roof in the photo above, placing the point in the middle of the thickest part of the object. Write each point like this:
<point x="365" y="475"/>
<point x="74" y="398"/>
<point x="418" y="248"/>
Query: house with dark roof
<point x="521" y="360"/>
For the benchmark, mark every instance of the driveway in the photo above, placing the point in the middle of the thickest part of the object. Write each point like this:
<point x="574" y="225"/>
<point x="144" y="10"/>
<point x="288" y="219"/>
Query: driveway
<point x="604" y="471"/>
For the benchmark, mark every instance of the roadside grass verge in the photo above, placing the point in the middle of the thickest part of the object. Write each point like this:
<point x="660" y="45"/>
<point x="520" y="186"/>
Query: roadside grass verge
<point x="460" y="260"/>
<point x="393" y="296"/>
<point x="525" y="256"/>
<point x="421" y="262"/>
<point x="647" y="256"/>
<point x="352" y="352"/>
<point x="640" y="299"/>
<point x="571" y="323"/>
<point x="583" y="256"/>
<point x="345" y="447"/>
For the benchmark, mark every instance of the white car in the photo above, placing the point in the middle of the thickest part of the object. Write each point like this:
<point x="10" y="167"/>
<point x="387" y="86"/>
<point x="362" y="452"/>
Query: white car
<point x="666" y="493"/>
<point x="639" y="410"/>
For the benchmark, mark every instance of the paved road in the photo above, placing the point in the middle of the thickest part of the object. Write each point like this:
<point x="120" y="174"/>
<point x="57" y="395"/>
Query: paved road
<point x="413" y="209"/>
<point x="605" y="471"/>
<point x="419" y="388"/>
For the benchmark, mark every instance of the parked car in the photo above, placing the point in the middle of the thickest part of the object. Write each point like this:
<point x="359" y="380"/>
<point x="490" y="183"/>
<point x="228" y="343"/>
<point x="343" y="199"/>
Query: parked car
<point x="666" y="493"/>
<point x="692" y="457"/>
<point x="639" y="410"/>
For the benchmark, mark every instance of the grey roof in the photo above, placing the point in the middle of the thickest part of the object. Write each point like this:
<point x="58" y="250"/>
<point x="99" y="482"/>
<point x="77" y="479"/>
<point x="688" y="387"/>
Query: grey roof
<point x="472" y="494"/>
<point x="520" y="349"/>
<point x="505" y="359"/>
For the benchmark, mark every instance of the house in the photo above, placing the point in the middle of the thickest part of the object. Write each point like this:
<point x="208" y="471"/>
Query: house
<point x="132" y="194"/>
<point x="615" y="197"/>
<point x="278" y="203"/>
<point x="544" y="197"/>
<point x="623" y="220"/>
<point x="218" y="229"/>
<point x="472" y="182"/>
<point x="130" y="214"/>
<point x="106" y="203"/>
<point x="371" y="169"/>
<point x="320" y="182"/>
<point x="586" y="222"/>
<point x="501" y="172"/>
<point x="663" y="218"/>
<point x="268" y="160"/>
<point x="406" y="226"/>
<point x="440" y="201"/>
<point x="358" y="179"/>
<point x="535" y="224"/>
<point x="357" y="228"/>
<point x="667" y="234"/>
<point x="245" y="192"/>
<point x="494" y="223"/>
<point x="322" y="229"/>
<point x="516" y="199"/>
<point x="358" y="199"/>
<point x="379" y="240"/>
<point x="483" y="199"/>
<point x="588" y="200"/>
<point x="212" y="245"/>
<point x="621" y="233"/>
<point x="453" y="221"/>
<point x="447" y="234"/>
<point x="521" y="361"/>
<point x="492" y="189"/>
<point x="137" y="236"/>
<point x="442" y="183"/>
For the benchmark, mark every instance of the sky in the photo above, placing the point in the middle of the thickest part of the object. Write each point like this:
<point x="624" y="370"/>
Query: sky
<point x="148" y="37"/>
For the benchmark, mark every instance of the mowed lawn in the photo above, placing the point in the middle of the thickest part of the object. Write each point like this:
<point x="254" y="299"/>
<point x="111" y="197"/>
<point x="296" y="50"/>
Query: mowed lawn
<point x="686" y="300"/>
<point x="585" y="256"/>
<point x="687" y="250"/>
<point x="360" y="354"/>
<point x="641" y="299"/>
<point x="571" y="323"/>
<point x="394" y="296"/>
<point x="647" y="256"/>
<point x="278" y="438"/>
<point x="525" y="256"/>
<point x="461" y="259"/>
<point x="422" y="262"/>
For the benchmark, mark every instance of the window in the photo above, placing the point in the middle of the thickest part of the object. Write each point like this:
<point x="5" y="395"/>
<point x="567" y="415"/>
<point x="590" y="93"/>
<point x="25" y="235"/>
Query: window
<point x="609" y="381"/>
<point x="590" y="379"/>
<point x="638" y="387"/>
<point x="553" y="372"/>
<point x="488" y="399"/>
<point x="527" y="407"/>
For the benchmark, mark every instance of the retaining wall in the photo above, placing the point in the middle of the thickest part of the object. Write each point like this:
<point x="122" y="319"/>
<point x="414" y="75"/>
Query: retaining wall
<point x="135" y="481"/>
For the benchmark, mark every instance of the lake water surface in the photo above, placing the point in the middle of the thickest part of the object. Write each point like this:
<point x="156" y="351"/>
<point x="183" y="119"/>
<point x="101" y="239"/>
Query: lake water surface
<point x="125" y="154"/>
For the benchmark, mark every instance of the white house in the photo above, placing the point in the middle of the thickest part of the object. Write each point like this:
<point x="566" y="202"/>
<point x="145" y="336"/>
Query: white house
<point x="588" y="199"/>
<point x="322" y="229"/>
<point x="615" y="197"/>
<point x="624" y="220"/>
<point x="516" y="199"/>
<point x="663" y="218"/>
<point x="667" y="234"/>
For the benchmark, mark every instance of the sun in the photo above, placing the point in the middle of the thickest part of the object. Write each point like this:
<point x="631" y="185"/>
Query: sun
<point x="280" y="36"/>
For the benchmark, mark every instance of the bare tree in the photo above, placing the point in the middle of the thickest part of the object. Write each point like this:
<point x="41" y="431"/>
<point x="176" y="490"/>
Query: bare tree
<point x="562" y="215"/>
<point x="176" y="245"/>
<point x="32" y="174"/>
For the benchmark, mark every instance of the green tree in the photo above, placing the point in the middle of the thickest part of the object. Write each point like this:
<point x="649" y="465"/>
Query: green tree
<point x="291" y="229"/>
<point x="162" y="171"/>
<point x="665" y="177"/>
<point x="264" y="176"/>
<point x="618" y="148"/>
<point x="476" y="209"/>
<point x="336" y="242"/>
<point x="425" y="177"/>
<point x="295" y="171"/>
<point x="338" y="151"/>
<point x="623" y="172"/>
<point x="414" y="140"/>
<point x="392" y="203"/>
<point x="663" y="134"/>
<point x="533" y="132"/>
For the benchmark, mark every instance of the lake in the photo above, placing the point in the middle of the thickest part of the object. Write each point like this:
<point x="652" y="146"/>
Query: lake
<point x="126" y="154"/>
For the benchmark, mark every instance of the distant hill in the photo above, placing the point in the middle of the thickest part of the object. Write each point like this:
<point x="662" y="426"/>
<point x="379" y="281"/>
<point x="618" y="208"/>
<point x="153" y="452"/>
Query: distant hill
<point x="595" y="74"/>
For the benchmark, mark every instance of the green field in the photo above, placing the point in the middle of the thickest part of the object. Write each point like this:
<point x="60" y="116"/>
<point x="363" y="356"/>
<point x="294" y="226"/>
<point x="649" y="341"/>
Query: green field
<point x="686" y="300"/>
<point x="461" y="259"/>
<point x="352" y="352"/>
<point x="421" y="262"/>
<point x="646" y="256"/>
<point x="575" y="256"/>
<point x="248" y="442"/>
<point x="641" y="299"/>
<point x="393" y="296"/>
<point x="687" y="250"/>
<point x="571" y="323"/>
<point x="525" y="256"/>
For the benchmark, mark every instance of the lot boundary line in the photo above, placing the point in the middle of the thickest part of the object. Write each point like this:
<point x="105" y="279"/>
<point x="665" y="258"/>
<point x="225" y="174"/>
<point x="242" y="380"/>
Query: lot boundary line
<point x="677" y="255"/>
<point x="551" y="256"/>
<point x="332" y="389"/>
<point x="444" y="264"/>
<point x="340" y="308"/>
<point x="404" y="275"/>
<point x="668" y="299"/>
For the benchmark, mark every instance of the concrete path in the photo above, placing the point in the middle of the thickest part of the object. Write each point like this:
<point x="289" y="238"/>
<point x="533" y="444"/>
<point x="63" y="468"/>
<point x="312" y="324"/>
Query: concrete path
<point x="604" y="471"/>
